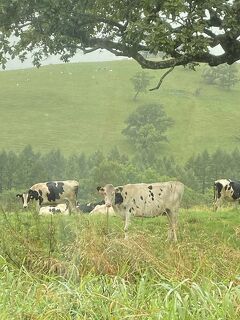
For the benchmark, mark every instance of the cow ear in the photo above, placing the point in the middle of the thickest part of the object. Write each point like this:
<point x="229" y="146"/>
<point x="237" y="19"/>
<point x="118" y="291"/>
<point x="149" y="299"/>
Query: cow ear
<point x="100" y="189"/>
<point x="19" y="195"/>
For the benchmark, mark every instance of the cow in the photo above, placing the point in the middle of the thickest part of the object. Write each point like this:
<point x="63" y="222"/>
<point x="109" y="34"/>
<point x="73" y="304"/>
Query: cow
<point x="225" y="189"/>
<point x="102" y="209"/>
<point x="53" y="210"/>
<point x="145" y="200"/>
<point x="88" y="207"/>
<point x="52" y="193"/>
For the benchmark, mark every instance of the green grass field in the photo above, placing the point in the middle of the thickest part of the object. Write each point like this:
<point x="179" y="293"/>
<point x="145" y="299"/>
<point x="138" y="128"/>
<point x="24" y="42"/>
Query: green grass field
<point x="82" y="107"/>
<point x="70" y="268"/>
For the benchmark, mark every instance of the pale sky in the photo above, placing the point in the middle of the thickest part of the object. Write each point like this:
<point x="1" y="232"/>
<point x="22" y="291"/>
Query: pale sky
<point x="99" y="55"/>
<point x="102" y="55"/>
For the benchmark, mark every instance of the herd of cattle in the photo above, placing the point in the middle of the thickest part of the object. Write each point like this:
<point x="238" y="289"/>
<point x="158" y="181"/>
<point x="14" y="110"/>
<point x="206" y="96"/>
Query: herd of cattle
<point x="140" y="200"/>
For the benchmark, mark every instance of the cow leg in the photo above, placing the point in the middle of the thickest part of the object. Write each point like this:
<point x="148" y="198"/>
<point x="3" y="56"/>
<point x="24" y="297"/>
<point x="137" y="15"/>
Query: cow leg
<point x="172" y="231"/>
<point x="236" y="205"/>
<point x="217" y="204"/>
<point x="127" y="224"/>
<point x="38" y="206"/>
<point x="71" y="205"/>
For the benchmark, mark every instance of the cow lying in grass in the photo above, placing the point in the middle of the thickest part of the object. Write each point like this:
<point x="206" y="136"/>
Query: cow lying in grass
<point x="88" y="207"/>
<point x="52" y="210"/>
<point x="102" y="209"/>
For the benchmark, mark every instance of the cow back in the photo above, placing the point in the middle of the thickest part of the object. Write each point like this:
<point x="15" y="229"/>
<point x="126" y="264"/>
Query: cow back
<point x="150" y="199"/>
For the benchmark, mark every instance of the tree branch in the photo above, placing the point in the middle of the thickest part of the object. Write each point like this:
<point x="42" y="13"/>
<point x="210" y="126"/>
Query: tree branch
<point x="161" y="79"/>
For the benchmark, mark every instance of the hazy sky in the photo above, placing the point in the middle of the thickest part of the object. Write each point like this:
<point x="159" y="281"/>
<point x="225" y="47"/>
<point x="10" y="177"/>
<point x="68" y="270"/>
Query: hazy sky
<point x="99" y="55"/>
<point x="102" y="55"/>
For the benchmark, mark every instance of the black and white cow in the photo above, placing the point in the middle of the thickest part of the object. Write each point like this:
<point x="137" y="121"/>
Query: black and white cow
<point x="145" y="200"/>
<point x="225" y="189"/>
<point x="88" y="207"/>
<point x="52" y="193"/>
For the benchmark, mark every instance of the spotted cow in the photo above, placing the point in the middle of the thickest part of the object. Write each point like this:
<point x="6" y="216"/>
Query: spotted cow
<point x="226" y="189"/>
<point x="88" y="207"/>
<point x="52" y="193"/>
<point x="54" y="210"/>
<point x="145" y="200"/>
<point x="102" y="209"/>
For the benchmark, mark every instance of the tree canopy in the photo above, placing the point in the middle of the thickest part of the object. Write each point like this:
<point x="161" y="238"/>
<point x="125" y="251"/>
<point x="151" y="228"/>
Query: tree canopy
<point x="146" y="128"/>
<point x="224" y="76"/>
<point x="184" y="31"/>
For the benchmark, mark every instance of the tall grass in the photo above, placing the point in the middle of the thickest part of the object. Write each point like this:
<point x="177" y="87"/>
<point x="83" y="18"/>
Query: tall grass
<point x="71" y="268"/>
<point x="103" y="297"/>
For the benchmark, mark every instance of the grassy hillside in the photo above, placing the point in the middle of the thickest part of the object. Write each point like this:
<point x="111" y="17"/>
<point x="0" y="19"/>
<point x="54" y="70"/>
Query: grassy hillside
<point x="82" y="107"/>
<point x="68" y="268"/>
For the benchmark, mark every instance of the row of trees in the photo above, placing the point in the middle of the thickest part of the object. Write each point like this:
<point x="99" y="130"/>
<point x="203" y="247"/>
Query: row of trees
<point x="20" y="171"/>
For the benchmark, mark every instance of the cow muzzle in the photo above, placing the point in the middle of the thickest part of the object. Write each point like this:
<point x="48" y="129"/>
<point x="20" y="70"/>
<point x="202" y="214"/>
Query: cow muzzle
<point x="108" y="205"/>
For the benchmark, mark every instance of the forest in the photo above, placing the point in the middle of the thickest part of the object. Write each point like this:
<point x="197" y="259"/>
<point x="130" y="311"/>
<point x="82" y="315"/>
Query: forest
<point x="19" y="171"/>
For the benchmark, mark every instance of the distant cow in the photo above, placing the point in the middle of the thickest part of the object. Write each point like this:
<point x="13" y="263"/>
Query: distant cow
<point x="145" y="200"/>
<point x="52" y="210"/>
<point x="88" y="207"/>
<point x="52" y="193"/>
<point x="102" y="209"/>
<point x="225" y="189"/>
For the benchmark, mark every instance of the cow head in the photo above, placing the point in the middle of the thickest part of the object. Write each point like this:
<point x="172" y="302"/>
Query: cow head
<point x="26" y="197"/>
<point x="112" y="196"/>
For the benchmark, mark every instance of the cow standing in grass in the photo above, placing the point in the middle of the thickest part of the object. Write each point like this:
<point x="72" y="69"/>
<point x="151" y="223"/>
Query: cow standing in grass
<point x="145" y="200"/>
<point x="226" y="189"/>
<point x="52" y="193"/>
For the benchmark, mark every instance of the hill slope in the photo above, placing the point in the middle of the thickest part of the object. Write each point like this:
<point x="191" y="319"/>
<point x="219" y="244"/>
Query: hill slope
<point x="82" y="107"/>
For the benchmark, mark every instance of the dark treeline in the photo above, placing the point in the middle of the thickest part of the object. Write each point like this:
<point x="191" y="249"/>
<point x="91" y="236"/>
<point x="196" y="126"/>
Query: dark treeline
<point x="20" y="171"/>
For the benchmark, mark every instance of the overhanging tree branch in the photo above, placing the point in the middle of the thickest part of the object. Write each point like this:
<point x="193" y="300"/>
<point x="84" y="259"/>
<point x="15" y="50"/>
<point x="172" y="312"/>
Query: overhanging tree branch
<point x="161" y="79"/>
<point x="182" y="31"/>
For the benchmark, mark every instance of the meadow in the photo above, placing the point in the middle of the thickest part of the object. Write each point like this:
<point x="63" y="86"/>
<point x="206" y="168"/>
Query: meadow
<point x="74" y="267"/>
<point x="81" y="107"/>
<point x="71" y="268"/>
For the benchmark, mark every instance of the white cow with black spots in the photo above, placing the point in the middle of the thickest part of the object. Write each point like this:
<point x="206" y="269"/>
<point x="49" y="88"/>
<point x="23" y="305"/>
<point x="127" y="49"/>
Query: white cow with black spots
<point x="55" y="210"/>
<point x="52" y="193"/>
<point x="226" y="189"/>
<point x="146" y="200"/>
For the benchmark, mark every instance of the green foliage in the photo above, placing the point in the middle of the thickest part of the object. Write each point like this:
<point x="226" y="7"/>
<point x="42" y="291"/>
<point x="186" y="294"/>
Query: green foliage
<point x="146" y="128"/>
<point x="198" y="173"/>
<point x="192" y="198"/>
<point x="184" y="31"/>
<point x="224" y="76"/>
<point x="140" y="82"/>
<point x="209" y="75"/>
<point x="202" y="168"/>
